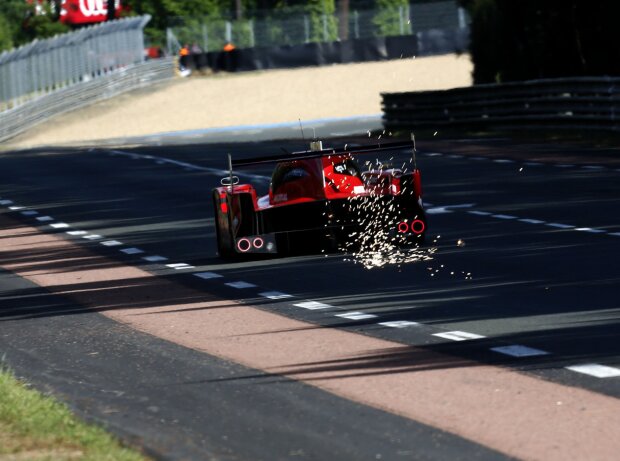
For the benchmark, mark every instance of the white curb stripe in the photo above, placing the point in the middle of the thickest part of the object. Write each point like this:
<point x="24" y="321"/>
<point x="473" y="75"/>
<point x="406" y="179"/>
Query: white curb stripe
<point x="275" y="295"/>
<point x="179" y="266"/>
<point x="532" y="221"/>
<point x="240" y="285"/>
<point x="207" y="275"/>
<point x="312" y="305"/>
<point x="589" y="229"/>
<point x="92" y="237"/>
<point x="132" y="251"/>
<point x="399" y="324"/>
<point x="155" y="258"/>
<point x="480" y="213"/>
<point x="356" y="315"/>
<point x="111" y="243"/>
<point x="458" y="335"/>
<point x="596" y="370"/>
<point x="517" y="350"/>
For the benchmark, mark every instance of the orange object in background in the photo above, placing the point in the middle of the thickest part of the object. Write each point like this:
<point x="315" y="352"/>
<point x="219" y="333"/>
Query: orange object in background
<point x="229" y="47"/>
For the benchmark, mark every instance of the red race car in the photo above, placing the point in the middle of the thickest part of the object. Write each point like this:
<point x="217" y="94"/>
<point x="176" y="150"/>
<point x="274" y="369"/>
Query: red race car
<point x="326" y="199"/>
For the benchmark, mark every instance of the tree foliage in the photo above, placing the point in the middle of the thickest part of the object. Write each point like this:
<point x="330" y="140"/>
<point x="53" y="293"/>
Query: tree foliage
<point x="19" y="24"/>
<point x="529" y="39"/>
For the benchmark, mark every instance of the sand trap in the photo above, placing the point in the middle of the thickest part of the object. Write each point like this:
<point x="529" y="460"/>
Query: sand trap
<point x="260" y="97"/>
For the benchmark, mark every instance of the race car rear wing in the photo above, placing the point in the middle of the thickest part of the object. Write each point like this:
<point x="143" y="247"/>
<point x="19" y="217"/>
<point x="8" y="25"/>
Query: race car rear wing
<point x="309" y="154"/>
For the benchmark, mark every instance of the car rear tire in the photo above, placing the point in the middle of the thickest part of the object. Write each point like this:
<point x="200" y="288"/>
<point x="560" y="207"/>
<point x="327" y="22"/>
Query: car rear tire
<point x="223" y="232"/>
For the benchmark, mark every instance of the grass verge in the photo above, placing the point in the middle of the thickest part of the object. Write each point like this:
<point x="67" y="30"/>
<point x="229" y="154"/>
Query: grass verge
<point x="34" y="427"/>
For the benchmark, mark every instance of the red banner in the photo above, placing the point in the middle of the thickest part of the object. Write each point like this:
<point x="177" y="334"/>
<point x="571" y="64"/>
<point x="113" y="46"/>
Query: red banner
<point x="86" y="11"/>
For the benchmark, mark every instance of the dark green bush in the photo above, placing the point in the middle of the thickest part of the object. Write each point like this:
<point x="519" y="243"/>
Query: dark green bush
<point x="529" y="39"/>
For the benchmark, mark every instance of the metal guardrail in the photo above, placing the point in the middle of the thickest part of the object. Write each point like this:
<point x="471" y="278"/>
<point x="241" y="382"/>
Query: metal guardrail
<point x="581" y="102"/>
<point x="24" y="117"/>
<point x="46" y="66"/>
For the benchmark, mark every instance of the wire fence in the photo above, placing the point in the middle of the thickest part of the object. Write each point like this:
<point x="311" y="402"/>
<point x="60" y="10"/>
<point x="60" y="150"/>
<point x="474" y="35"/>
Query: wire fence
<point x="46" y="66"/>
<point x="21" y="118"/>
<point x="299" y="25"/>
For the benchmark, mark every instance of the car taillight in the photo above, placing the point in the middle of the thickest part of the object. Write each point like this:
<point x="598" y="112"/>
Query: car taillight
<point x="417" y="226"/>
<point x="258" y="243"/>
<point x="244" y="245"/>
<point x="223" y="202"/>
<point x="403" y="227"/>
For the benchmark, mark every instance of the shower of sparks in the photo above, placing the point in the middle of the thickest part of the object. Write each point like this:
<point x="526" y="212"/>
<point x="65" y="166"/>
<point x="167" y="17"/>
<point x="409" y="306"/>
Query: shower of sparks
<point x="375" y="243"/>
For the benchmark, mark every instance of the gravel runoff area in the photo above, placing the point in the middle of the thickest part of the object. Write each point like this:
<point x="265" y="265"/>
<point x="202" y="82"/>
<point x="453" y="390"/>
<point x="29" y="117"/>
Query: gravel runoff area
<point x="250" y="98"/>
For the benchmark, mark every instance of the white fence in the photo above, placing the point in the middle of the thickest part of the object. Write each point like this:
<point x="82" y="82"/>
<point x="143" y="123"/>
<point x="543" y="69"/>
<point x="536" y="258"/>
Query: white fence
<point x="20" y="119"/>
<point x="48" y="77"/>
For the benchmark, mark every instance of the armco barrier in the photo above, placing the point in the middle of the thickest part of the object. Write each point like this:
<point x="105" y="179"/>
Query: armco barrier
<point x="582" y="102"/>
<point x="21" y="118"/>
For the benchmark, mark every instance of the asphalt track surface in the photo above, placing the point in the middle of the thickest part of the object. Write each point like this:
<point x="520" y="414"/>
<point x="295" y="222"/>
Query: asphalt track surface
<point x="536" y="273"/>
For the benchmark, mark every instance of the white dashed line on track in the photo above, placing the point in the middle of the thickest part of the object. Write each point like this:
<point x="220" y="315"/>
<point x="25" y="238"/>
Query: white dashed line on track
<point x="356" y="315"/>
<point x="458" y="335"/>
<point x="438" y="210"/>
<point x="45" y="218"/>
<point x="180" y="266"/>
<point x="30" y="213"/>
<point x="240" y="285"/>
<point x="16" y="208"/>
<point x="503" y="160"/>
<point x="207" y="275"/>
<point x="504" y="216"/>
<point x="595" y="369"/>
<point x="399" y="324"/>
<point x="275" y="295"/>
<point x="92" y="237"/>
<point x="60" y="225"/>
<point x="615" y="234"/>
<point x="532" y="221"/>
<point x="517" y="350"/>
<point x="132" y="251"/>
<point x="155" y="258"/>
<point x="6" y="202"/>
<point x="590" y="230"/>
<point x="559" y="225"/>
<point x="533" y="164"/>
<point x="313" y="305"/>
<point x="480" y="213"/>
<point x="111" y="243"/>
<point x="77" y="232"/>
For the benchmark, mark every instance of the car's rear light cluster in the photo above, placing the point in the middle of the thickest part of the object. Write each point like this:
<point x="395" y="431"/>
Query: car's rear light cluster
<point x="223" y="202"/>
<point x="245" y="244"/>
<point x="416" y="226"/>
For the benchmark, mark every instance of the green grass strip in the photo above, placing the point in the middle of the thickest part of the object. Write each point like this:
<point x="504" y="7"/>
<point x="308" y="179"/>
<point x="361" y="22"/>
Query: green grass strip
<point x="34" y="427"/>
